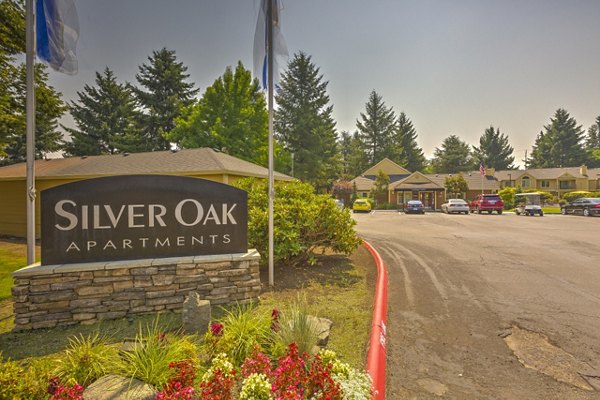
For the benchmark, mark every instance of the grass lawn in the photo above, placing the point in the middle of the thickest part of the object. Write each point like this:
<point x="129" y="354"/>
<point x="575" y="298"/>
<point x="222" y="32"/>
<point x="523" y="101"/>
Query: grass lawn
<point x="338" y="288"/>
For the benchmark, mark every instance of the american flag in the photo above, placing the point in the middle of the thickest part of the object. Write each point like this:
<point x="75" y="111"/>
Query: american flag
<point x="481" y="168"/>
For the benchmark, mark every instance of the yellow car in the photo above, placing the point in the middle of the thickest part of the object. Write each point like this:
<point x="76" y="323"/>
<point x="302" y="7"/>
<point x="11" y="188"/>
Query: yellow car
<point x="361" y="205"/>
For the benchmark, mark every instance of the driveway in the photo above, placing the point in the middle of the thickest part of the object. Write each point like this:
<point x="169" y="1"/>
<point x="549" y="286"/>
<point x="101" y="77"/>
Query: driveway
<point x="490" y="306"/>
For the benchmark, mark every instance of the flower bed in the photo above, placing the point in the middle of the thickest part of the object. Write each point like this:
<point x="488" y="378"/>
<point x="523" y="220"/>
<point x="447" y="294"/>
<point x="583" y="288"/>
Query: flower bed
<point x="247" y="354"/>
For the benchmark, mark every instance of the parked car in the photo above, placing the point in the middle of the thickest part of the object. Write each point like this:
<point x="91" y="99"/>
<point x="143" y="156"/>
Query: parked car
<point x="361" y="205"/>
<point x="455" y="206"/>
<point x="587" y="206"/>
<point x="487" y="202"/>
<point x="414" y="207"/>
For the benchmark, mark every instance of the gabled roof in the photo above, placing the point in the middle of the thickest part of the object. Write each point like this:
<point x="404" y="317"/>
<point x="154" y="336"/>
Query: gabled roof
<point x="388" y="166"/>
<point x="416" y="180"/>
<point x="201" y="161"/>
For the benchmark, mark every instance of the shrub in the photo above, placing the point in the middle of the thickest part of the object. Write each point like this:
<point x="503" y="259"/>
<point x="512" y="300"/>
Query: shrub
<point x="242" y="329"/>
<point x="571" y="196"/>
<point x="386" y="206"/>
<point x="508" y="197"/>
<point x="10" y="379"/>
<point x="153" y="352"/>
<point x="86" y="359"/>
<point x="303" y="221"/>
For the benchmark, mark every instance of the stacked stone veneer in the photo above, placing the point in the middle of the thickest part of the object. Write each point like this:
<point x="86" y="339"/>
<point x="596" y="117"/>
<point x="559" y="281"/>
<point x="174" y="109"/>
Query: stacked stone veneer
<point x="53" y="295"/>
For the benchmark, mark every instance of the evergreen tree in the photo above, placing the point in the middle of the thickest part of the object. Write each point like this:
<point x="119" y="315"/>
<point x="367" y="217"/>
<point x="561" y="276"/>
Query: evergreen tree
<point x="592" y="144"/>
<point x="230" y="116"/>
<point x="410" y="154"/>
<point x="106" y="118"/>
<point x="560" y="144"/>
<point x="354" y="156"/>
<point x="49" y="108"/>
<point x="494" y="150"/>
<point x="452" y="157"/>
<point x="376" y="128"/>
<point x="304" y="123"/>
<point x="163" y="96"/>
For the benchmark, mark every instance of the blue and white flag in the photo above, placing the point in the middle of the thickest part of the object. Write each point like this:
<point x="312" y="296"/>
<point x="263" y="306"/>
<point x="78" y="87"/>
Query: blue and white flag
<point x="280" y="51"/>
<point x="57" y="32"/>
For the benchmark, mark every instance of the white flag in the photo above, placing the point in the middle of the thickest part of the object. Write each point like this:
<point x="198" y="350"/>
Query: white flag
<point x="280" y="52"/>
<point x="57" y="32"/>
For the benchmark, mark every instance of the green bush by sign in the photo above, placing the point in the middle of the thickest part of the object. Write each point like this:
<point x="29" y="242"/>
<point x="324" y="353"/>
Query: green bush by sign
<point x="304" y="222"/>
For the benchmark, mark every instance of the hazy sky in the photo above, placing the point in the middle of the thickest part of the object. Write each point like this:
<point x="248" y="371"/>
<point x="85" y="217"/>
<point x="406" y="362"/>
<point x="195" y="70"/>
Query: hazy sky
<point x="453" y="66"/>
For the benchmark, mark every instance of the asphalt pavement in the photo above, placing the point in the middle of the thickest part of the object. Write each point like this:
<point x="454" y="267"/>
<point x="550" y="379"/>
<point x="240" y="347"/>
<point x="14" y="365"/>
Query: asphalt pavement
<point x="490" y="306"/>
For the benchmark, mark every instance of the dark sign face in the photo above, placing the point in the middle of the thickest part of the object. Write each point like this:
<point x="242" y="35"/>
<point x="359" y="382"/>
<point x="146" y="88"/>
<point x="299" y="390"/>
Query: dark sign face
<point x="142" y="216"/>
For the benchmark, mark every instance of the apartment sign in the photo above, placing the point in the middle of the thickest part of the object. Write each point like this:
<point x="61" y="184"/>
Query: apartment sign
<point x="141" y="216"/>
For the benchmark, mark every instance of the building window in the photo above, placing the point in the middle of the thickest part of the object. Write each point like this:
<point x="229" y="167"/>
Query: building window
<point x="567" y="185"/>
<point x="525" y="182"/>
<point x="545" y="184"/>
<point x="363" y="194"/>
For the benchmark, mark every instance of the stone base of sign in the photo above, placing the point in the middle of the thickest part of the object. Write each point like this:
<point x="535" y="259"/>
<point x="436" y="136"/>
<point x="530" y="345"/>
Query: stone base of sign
<point x="59" y="295"/>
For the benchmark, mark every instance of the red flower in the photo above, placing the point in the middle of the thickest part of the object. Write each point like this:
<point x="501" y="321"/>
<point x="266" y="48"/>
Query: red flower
<point x="216" y="329"/>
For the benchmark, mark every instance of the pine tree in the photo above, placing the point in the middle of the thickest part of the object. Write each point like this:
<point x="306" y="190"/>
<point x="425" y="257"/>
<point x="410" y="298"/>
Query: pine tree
<point x="494" y="150"/>
<point x="49" y="108"/>
<point x="354" y="156"/>
<point x="304" y="124"/>
<point x="560" y="144"/>
<point x="106" y="118"/>
<point x="163" y="96"/>
<point x="592" y="141"/>
<point x="452" y="157"/>
<point x="410" y="155"/>
<point x="592" y="144"/>
<point x="376" y="128"/>
<point x="230" y="116"/>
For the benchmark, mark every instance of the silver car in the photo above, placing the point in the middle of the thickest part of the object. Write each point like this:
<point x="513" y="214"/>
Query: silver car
<point x="455" y="206"/>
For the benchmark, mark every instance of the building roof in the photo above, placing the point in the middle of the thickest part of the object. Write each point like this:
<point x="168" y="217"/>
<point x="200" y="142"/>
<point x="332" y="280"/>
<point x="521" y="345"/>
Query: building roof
<point x="473" y="179"/>
<point x="547" y="173"/>
<point x="182" y="162"/>
<point x="363" y="184"/>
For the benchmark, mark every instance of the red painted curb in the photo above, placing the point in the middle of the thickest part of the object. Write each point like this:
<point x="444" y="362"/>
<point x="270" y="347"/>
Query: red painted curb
<point x="377" y="347"/>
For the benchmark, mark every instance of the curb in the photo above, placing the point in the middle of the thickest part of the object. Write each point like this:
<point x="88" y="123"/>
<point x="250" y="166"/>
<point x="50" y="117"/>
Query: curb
<point x="376" y="358"/>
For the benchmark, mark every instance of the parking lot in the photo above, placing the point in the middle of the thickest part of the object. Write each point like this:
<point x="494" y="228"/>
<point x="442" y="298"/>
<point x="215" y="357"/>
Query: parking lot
<point x="490" y="306"/>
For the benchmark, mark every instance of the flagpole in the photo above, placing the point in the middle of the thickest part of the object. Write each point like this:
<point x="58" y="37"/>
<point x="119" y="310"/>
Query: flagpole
<point x="271" y="167"/>
<point x="30" y="140"/>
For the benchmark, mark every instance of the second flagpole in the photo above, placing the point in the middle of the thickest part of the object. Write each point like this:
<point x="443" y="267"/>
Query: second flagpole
<point x="271" y="166"/>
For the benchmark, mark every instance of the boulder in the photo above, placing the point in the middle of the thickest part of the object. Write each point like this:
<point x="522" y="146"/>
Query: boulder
<point x="115" y="387"/>
<point x="322" y="328"/>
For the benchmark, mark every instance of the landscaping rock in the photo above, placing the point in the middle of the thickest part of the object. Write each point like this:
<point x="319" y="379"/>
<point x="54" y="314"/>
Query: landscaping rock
<point x="115" y="387"/>
<point x="196" y="314"/>
<point x="323" y="328"/>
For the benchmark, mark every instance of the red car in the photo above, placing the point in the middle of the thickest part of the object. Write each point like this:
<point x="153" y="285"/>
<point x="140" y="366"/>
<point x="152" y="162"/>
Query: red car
<point x="487" y="202"/>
